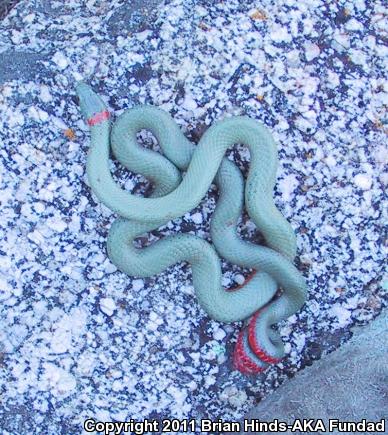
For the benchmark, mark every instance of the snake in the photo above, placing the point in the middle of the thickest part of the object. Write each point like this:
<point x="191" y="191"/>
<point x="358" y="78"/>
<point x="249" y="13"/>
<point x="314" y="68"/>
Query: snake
<point x="181" y="176"/>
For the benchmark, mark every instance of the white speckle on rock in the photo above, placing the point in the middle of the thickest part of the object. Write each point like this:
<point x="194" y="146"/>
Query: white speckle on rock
<point x="363" y="181"/>
<point x="189" y="103"/>
<point x="333" y="80"/>
<point x="5" y="289"/>
<point x="107" y="306"/>
<point x="45" y="95"/>
<point x="37" y="114"/>
<point x="219" y="334"/>
<point x="341" y="314"/>
<point x="36" y="237"/>
<point x="152" y="326"/>
<point x="129" y="184"/>
<point x="341" y="41"/>
<point x="61" y="341"/>
<point x="306" y="259"/>
<point x="187" y="289"/>
<point x="60" y="60"/>
<point x="239" y="278"/>
<point x="192" y="386"/>
<point x="109" y="267"/>
<point x="311" y="51"/>
<point x="287" y="186"/>
<point x="280" y="34"/>
<point x="77" y="76"/>
<point x="358" y="57"/>
<point x="179" y="395"/>
<point x="16" y="118"/>
<point x="330" y="161"/>
<point x="234" y="396"/>
<point x="300" y="342"/>
<point x="29" y="18"/>
<point x="57" y="380"/>
<point x="137" y="284"/>
<point x="56" y="224"/>
<point x="180" y="358"/>
<point x="354" y="25"/>
<point x="197" y="218"/>
<point x="58" y="122"/>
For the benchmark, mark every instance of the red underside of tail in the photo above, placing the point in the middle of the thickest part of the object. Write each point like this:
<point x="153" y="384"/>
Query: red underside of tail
<point x="241" y="360"/>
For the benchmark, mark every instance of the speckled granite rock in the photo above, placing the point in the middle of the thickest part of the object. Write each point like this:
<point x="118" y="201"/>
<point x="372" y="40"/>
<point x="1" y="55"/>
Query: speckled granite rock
<point x="6" y="6"/>
<point x="80" y="339"/>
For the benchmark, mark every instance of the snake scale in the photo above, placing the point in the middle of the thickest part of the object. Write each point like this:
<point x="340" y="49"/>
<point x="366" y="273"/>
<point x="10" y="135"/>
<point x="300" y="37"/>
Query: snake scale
<point x="258" y="344"/>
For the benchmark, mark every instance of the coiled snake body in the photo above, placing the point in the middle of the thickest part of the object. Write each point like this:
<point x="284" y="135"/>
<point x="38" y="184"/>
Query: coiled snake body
<point x="258" y="345"/>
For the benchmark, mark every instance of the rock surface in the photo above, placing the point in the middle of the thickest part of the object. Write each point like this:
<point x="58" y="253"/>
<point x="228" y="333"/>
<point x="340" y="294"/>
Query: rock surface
<point x="313" y="71"/>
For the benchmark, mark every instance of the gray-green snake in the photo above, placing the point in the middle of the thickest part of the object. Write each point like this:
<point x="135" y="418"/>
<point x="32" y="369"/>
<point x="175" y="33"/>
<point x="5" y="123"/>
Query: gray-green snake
<point x="174" y="195"/>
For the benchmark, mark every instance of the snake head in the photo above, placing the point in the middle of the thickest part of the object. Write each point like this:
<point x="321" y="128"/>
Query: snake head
<point x="90" y="103"/>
